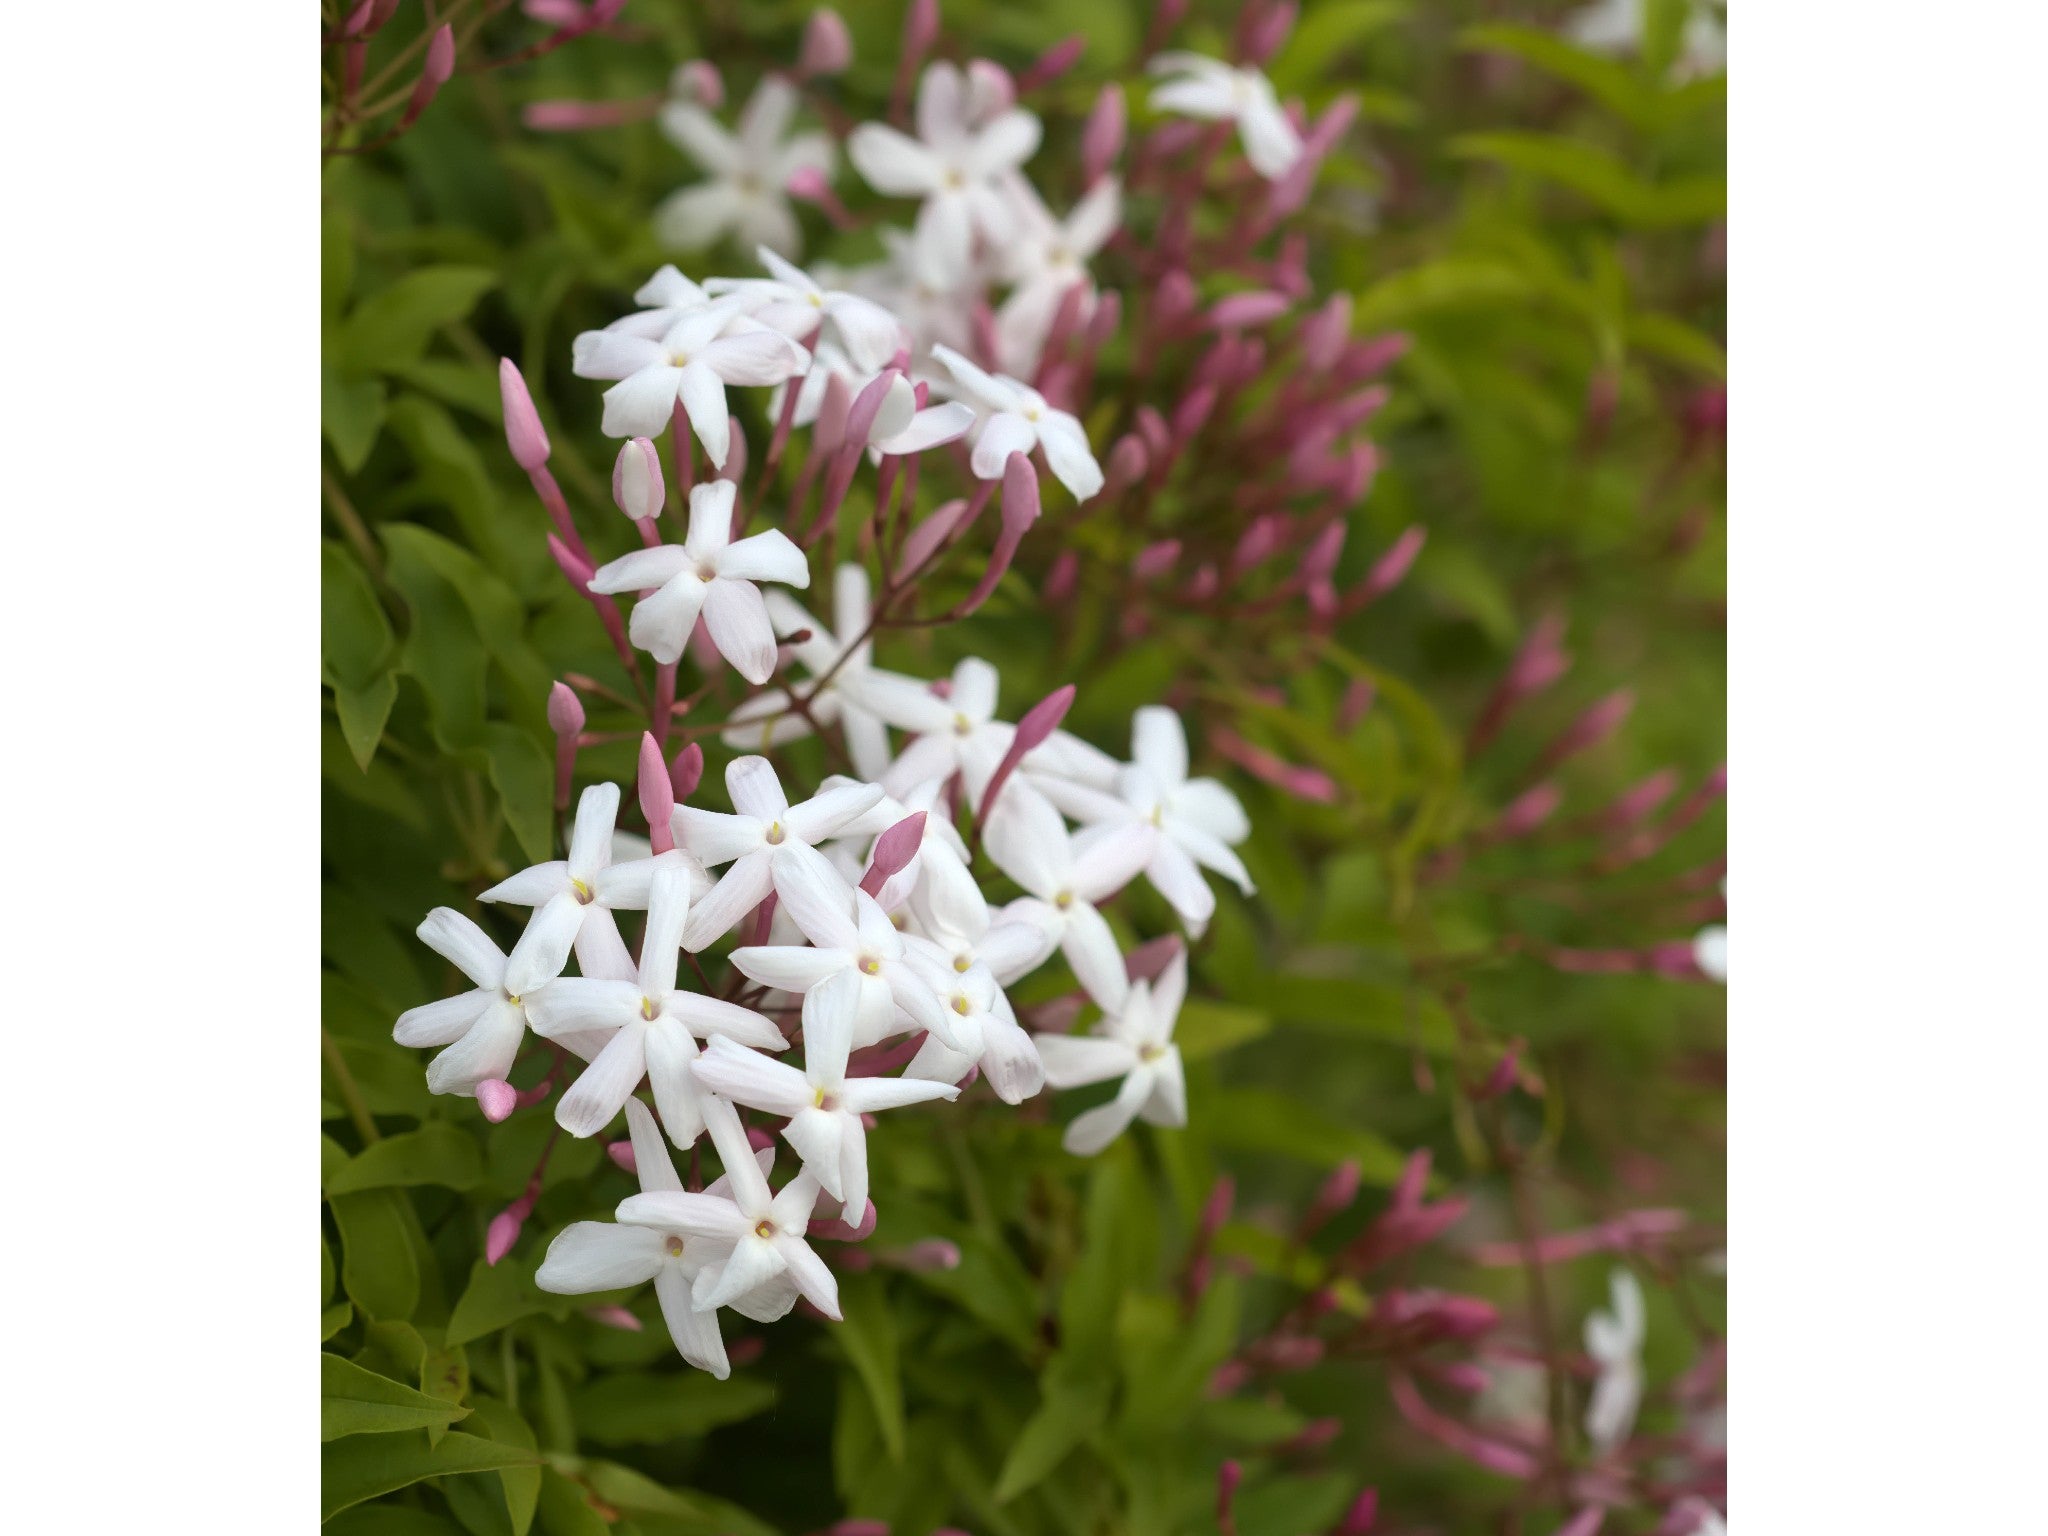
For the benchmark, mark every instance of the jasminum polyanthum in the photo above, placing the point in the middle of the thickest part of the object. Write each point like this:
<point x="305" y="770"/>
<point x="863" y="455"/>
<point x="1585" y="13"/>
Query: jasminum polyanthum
<point x="1134" y="1042"/>
<point x="1614" y="1339"/>
<point x="749" y="172"/>
<point x="1202" y="87"/>
<point x="1015" y="418"/>
<point x="481" y="1029"/>
<point x="791" y="302"/>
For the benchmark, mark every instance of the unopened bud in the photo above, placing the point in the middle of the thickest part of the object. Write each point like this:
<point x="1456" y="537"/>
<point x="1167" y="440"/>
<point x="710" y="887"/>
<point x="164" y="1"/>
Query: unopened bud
<point x="504" y="1229"/>
<point x="637" y="487"/>
<point x="1102" y="136"/>
<point x="496" y="1098"/>
<point x="524" y="434"/>
<point x="827" y="46"/>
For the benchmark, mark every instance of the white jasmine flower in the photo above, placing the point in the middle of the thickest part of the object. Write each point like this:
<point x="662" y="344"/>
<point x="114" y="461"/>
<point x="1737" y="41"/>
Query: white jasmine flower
<point x="824" y="1106"/>
<point x="941" y="854"/>
<point x="704" y="350"/>
<point x="711" y="574"/>
<point x="607" y="1256"/>
<point x="850" y="935"/>
<point x="1046" y="258"/>
<point x="934" y="300"/>
<point x="482" y="1028"/>
<point x="1135" y="1043"/>
<point x="766" y="840"/>
<point x="574" y="898"/>
<point x="1065" y="877"/>
<point x="953" y="164"/>
<point x="1210" y="89"/>
<point x="956" y="928"/>
<point x="1617" y="26"/>
<point x="985" y="1034"/>
<point x="1016" y="419"/>
<point x="956" y="734"/>
<point x="1710" y="948"/>
<point x="653" y="1026"/>
<point x="666" y="298"/>
<point x="749" y="172"/>
<point x="1615" y="1341"/>
<point x="753" y="1237"/>
<point x="1198" y="819"/>
<point x="792" y="303"/>
<point x="901" y="426"/>
<point x="841" y="656"/>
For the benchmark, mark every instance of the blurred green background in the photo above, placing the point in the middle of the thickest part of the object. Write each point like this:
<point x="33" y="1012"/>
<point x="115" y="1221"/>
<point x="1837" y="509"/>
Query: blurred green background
<point x="1545" y="224"/>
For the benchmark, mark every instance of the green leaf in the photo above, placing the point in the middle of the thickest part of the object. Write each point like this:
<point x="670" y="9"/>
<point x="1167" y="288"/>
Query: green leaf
<point x="1207" y="1028"/>
<point x="351" y="416"/>
<point x="1454" y="282"/>
<point x="444" y="1374"/>
<point x="436" y="1153"/>
<point x="1267" y="1120"/>
<point x="498" y="1294"/>
<point x="390" y="328"/>
<point x="1597" y="175"/>
<point x="391" y="1520"/>
<point x="354" y="1401"/>
<point x="1670" y="338"/>
<point x="1615" y="85"/>
<point x="334" y="1319"/>
<point x="524" y="778"/>
<point x="362" y="713"/>
<point x="640" y="1408"/>
<point x="378" y="1267"/>
<point x="355" y="636"/>
<point x="452" y="472"/>
<point x="521" y="1484"/>
<point x="1073" y="1405"/>
<point x="364" y="1466"/>
<point x="1119" y="1207"/>
<point x="867" y="1337"/>
<point x="1323" y="37"/>
<point x="565" y="1508"/>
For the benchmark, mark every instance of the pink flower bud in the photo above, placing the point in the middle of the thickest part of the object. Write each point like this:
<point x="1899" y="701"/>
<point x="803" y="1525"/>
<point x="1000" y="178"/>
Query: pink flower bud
<point x="496" y="1098"/>
<point x="1528" y="811"/>
<point x="1409" y="1188"/>
<point x="614" y="1317"/>
<point x="990" y="90"/>
<point x="1264" y="37"/>
<point x="1322" y="555"/>
<point x="686" y="771"/>
<point x="867" y="405"/>
<point x="1334" y="1198"/>
<point x="1586" y="1522"/>
<point x="524" y="434"/>
<point x="621" y="1153"/>
<point x="698" y="83"/>
<point x="1324" y="334"/>
<point x="637" y="487"/>
<point x="894" y="849"/>
<point x="1173" y="299"/>
<point x="827" y="46"/>
<point x="504" y="1229"/>
<point x="1102" y="136"/>
<point x="934" y="1253"/>
<point x="1360" y="1518"/>
<point x="657" y="793"/>
<point x="920" y="26"/>
<point x="1128" y="462"/>
<point x="1594" y="726"/>
<point x="1388" y="570"/>
<point x="580" y="116"/>
<point x="1228" y="1476"/>
<point x="1504" y="1073"/>
<point x="1216" y="1209"/>
<point x="565" y="710"/>
<point x="1051" y="64"/>
<point x="1193" y="411"/>
<point x="1236" y="311"/>
<point x="1156" y="559"/>
<point x="1061" y="580"/>
<point x="927" y="536"/>
<point x="434" y="73"/>
<point x="572" y="565"/>
<point x="1039" y="722"/>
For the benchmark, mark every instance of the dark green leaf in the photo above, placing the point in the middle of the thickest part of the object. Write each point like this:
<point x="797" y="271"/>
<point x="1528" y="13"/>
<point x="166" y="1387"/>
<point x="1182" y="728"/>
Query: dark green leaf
<point x="390" y="328"/>
<point x="363" y="1466"/>
<point x="354" y="1401"/>
<point x="436" y="1153"/>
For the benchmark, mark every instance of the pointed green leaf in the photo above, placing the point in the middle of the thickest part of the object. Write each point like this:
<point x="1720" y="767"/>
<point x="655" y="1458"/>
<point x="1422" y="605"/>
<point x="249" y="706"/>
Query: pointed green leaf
<point x="355" y="1401"/>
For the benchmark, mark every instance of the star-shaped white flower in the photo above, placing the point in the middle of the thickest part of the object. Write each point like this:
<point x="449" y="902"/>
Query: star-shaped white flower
<point x="1615" y="1341"/>
<point x="850" y="935"/>
<point x="710" y="574"/>
<point x="749" y="172"/>
<point x="665" y="298"/>
<point x="766" y="840"/>
<point x="653" y="1026"/>
<point x="1134" y="1043"/>
<point x="791" y="302"/>
<point x="953" y="164"/>
<point x="702" y="351"/>
<point x="955" y="734"/>
<point x="1016" y="419"/>
<point x="955" y="927"/>
<point x="941" y="854"/>
<point x="1044" y="260"/>
<point x="482" y="1028"/>
<point x="608" y="1256"/>
<point x="985" y="1034"/>
<point x="824" y="1106"/>
<point x="1208" y="88"/>
<point x="1198" y="819"/>
<point x="755" y="1237"/>
<point x="1065" y="876"/>
<point x="574" y="898"/>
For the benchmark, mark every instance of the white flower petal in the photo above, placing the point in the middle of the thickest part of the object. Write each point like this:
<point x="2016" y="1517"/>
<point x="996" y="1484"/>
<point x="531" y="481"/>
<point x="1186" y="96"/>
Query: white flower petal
<point x="599" y="1256"/>
<point x="459" y="941"/>
<point x="695" y="1333"/>
<point x="594" y="1099"/>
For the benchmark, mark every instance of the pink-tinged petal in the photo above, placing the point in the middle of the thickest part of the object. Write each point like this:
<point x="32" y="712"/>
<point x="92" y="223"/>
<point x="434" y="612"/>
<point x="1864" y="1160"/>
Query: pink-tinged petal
<point x="610" y="354"/>
<point x="444" y="1022"/>
<point x="594" y="1099"/>
<point x="710" y="522"/>
<point x="827" y="813"/>
<point x="1159" y="744"/>
<point x="1097" y="961"/>
<point x="930" y="428"/>
<point x="531" y="887"/>
<point x="903" y="702"/>
<point x="766" y="720"/>
<point x="867" y="739"/>
<point x="574" y="1004"/>
<point x="976" y="382"/>
<point x="590" y="844"/>
<point x="543" y="950"/>
<point x="668" y="909"/>
<point x="599" y="1256"/>
<point x="914" y="996"/>
<point x="700" y="136"/>
<point x="853" y="1162"/>
<point x="643" y="570"/>
<point x="933" y="756"/>
<point x="768" y="1302"/>
<point x="695" y="1333"/>
<point x="976" y="686"/>
<point x="465" y="946"/>
<point x="640" y="404"/>
<point x="702" y="393"/>
<point x="1095" y="217"/>
<point x="752" y="1262"/>
<point x="941" y="110"/>
<point x="715" y="837"/>
<point x="809" y="1272"/>
<point x="820" y="902"/>
<point x="1094" y="1129"/>
<point x="1109" y="855"/>
<point x="486" y="1052"/>
<point x="671" y="1074"/>
<point x="668" y="289"/>
<point x="1002" y="434"/>
<point x="706" y="1215"/>
<point x="713" y="1016"/>
<point x="1208" y="805"/>
<point x="1080" y="801"/>
<point x="769" y="556"/>
<point x="744" y="887"/>
<point x="754" y="357"/>
<point x="1167" y="1104"/>
<point x="1067" y="452"/>
<point x="766" y="117"/>
<point x="830" y="1009"/>
<point x="1074" y="1061"/>
<point x="738" y="622"/>
<point x="653" y="1166"/>
<point x="892" y="162"/>
<point x="747" y="1077"/>
<point x="788" y="968"/>
<point x="939" y="1062"/>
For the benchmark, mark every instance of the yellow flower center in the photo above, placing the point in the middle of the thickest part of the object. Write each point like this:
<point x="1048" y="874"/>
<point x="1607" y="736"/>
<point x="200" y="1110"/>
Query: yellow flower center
<point x="675" y="1247"/>
<point x="764" y="1228"/>
<point x="774" y="832"/>
<point x="582" y="892"/>
<point x="870" y="966"/>
<point x="962" y="1005"/>
<point x="647" y="1009"/>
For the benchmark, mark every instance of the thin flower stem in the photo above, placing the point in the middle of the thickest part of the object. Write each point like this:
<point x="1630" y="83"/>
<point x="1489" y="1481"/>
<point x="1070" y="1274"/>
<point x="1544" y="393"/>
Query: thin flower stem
<point x="345" y="1084"/>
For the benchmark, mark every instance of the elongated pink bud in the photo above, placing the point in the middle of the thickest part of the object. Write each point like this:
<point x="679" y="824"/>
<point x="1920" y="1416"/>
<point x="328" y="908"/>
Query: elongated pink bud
<point x="1216" y="1209"/>
<point x="894" y="849"/>
<point x="920" y="26"/>
<point x="582" y="116"/>
<point x="1408" y="1189"/>
<point x="574" y="566"/>
<point x="1128" y="462"/>
<point x="1268" y="31"/>
<point x="1332" y="1199"/>
<point x="657" y="794"/>
<point x="1586" y="1522"/>
<point x="1173" y="299"/>
<point x="524" y="434"/>
<point x="1600" y="721"/>
<point x="1102" y="136"/>
<point x="1528" y="811"/>
<point x="621" y="1153"/>
<point x="990" y="91"/>
<point x="1051" y="64"/>
<point x="1324" y="333"/>
<point x="698" y="83"/>
<point x="927" y="536"/>
<point x="932" y="1254"/>
<point x="867" y="405"/>
<point x="496" y="1098"/>
<point x="440" y="64"/>
<point x="1236" y="311"/>
<point x="1192" y="413"/>
<point x="1363" y="1514"/>
<point x="827" y="46"/>
<point x="1390" y="568"/>
<point x="1322" y="555"/>
<point x="638" y="489"/>
<point x="1061" y="580"/>
<point x="686" y="771"/>
<point x="1228" y="1476"/>
<point x="1039" y="722"/>
<point x="614" y="1317"/>
<point x="1156" y="559"/>
<point x="565" y="710"/>
<point x="503" y="1231"/>
<point x="1504" y="1073"/>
